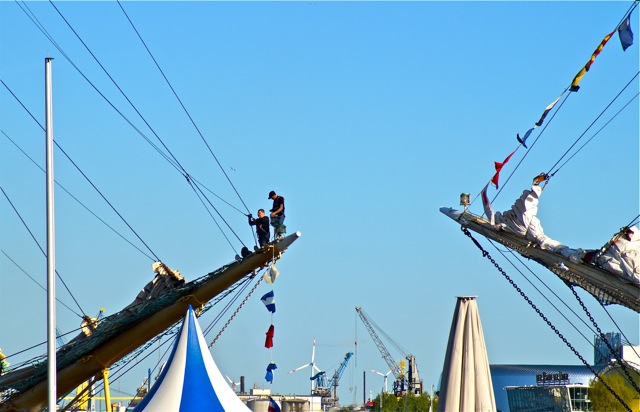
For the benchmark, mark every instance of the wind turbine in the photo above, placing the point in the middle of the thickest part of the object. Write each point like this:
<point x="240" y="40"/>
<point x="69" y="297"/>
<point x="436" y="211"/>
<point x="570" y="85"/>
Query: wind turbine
<point x="384" y="375"/>
<point x="312" y="364"/>
<point x="233" y="384"/>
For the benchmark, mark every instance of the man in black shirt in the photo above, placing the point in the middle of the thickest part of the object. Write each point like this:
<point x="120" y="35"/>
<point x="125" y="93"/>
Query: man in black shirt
<point x="262" y="227"/>
<point x="277" y="215"/>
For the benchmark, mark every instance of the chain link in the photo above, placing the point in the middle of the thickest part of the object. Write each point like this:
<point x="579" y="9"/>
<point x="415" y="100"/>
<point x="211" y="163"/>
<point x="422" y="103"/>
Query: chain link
<point x="235" y="312"/>
<point x="605" y="340"/>
<point x="539" y="312"/>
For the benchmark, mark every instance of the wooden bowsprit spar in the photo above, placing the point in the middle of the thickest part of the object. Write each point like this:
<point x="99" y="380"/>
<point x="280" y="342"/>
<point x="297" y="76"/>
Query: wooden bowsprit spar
<point x="605" y="286"/>
<point x="121" y="333"/>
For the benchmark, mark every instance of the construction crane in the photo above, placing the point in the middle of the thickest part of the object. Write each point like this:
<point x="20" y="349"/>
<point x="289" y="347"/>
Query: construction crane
<point x="323" y="386"/>
<point x="410" y="382"/>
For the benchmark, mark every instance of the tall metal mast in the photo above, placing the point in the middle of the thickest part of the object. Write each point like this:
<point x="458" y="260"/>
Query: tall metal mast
<point x="51" y="249"/>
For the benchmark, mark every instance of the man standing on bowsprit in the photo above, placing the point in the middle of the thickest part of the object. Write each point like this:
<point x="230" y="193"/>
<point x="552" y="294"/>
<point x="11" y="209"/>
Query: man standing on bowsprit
<point x="277" y="215"/>
<point x="262" y="227"/>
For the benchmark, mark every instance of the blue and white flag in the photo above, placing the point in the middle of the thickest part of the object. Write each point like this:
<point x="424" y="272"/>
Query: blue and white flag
<point x="269" y="301"/>
<point x="273" y="406"/>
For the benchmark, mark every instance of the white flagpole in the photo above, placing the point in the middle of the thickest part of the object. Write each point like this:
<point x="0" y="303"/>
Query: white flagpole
<point x="51" y="250"/>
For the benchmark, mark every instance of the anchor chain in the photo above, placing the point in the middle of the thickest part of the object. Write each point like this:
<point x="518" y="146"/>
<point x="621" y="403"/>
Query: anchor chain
<point x="539" y="312"/>
<point x="235" y="312"/>
<point x="604" y="339"/>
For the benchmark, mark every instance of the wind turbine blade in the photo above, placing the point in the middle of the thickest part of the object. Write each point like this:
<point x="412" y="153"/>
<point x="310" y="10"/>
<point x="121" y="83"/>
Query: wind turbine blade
<point x="301" y="367"/>
<point x="379" y="373"/>
<point x="313" y="352"/>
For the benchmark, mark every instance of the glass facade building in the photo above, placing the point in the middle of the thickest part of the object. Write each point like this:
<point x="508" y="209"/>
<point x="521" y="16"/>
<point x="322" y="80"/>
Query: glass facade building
<point x="504" y="376"/>
<point x="554" y="398"/>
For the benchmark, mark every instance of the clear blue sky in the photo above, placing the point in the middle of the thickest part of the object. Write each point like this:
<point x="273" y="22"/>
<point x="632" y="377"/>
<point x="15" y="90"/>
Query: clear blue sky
<point x="366" y="116"/>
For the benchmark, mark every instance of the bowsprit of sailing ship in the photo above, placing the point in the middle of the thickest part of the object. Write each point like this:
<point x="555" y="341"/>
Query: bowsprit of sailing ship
<point x="115" y="336"/>
<point x="103" y="342"/>
<point x="610" y="272"/>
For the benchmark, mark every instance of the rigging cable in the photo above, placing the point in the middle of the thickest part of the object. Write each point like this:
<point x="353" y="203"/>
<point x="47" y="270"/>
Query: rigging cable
<point x="633" y="348"/>
<point x="499" y="190"/>
<point x="578" y="139"/>
<point x="542" y="294"/>
<point x="78" y="200"/>
<point x="226" y="308"/>
<point x="631" y="8"/>
<point x="188" y="114"/>
<point x="604" y="339"/>
<point x="40" y="247"/>
<point x="597" y="330"/>
<point x="599" y="130"/>
<point x="83" y="174"/>
<point x="179" y="165"/>
<point x="35" y="21"/>
<point x="172" y="331"/>
<point x="233" y="315"/>
<point x="29" y="13"/>
<point x="128" y="361"/>
<point x="634" y="221"/>
<point x="36" y="282"/>
<point x="533" y="144"/>
<point x="181" y="104"/>
<point x="591" y="125"/>
<point x="539" y="312"/>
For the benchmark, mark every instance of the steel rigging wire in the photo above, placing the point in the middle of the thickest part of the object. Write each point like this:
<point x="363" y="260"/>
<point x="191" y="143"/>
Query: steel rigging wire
<point x="551" y="169"/>
<point x="82" y="173"/>
<point x="176" y="162"/>
<point x="78" y="200"/>
<point x="597" y="332"/>
<point x="182" y="105"/>
<point x="34" y="19"/>
<point x="511" y="252"/>
<point x="486" y="255"/>
<point x="36" y="282"/>
<point x="41" y="249"/>
<point x="187" y="113"/>
<point x="631" y="8"/>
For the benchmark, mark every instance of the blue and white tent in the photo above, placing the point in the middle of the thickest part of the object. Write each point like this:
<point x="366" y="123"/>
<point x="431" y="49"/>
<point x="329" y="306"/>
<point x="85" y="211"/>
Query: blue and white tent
<point x="191" y="380"/>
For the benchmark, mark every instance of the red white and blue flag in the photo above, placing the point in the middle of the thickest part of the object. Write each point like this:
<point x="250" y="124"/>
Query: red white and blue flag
<point x="273" y="406"/>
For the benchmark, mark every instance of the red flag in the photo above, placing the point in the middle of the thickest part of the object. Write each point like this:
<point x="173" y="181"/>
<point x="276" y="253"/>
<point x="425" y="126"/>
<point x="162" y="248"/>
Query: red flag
<point x="498" y="165"/>
<point x="268" y="343"/>
<point x="488" y="208"/>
